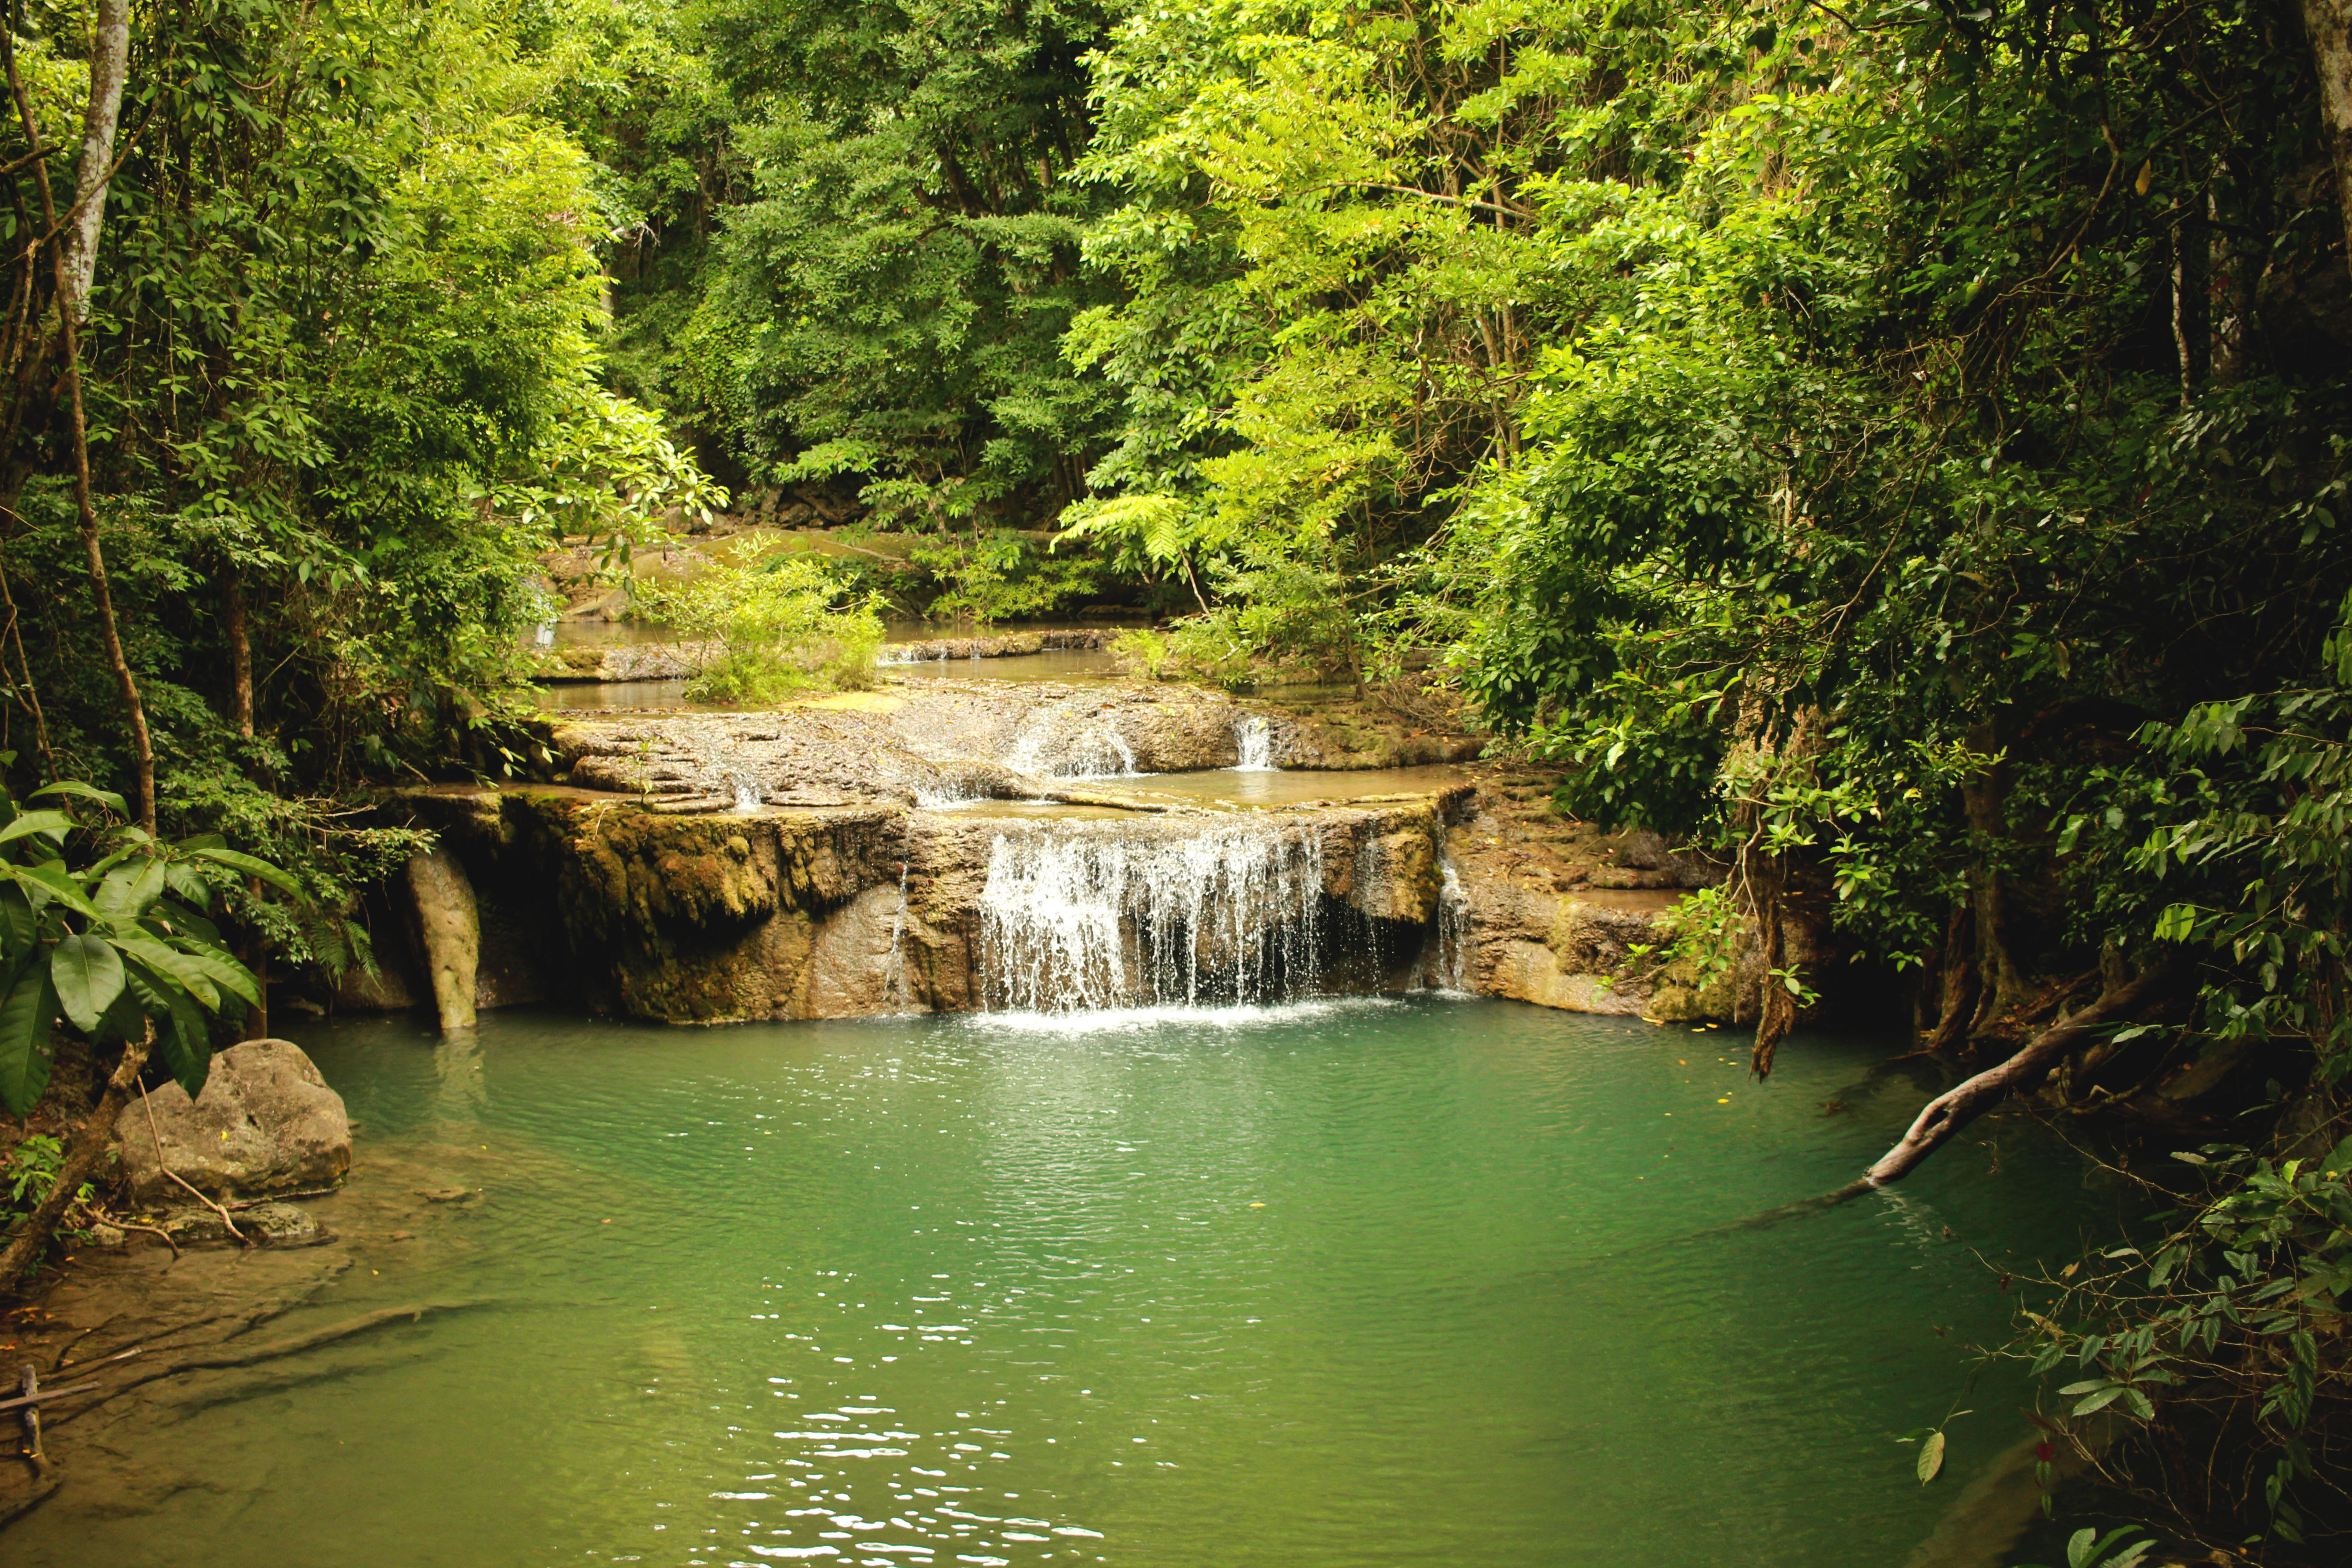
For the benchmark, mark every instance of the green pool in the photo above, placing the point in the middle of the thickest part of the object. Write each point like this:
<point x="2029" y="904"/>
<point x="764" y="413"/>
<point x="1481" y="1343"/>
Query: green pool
<point x="1368" y="1282"/>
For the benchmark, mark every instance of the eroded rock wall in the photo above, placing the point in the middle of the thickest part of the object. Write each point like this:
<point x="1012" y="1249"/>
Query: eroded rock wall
<point x="852" y="910"/>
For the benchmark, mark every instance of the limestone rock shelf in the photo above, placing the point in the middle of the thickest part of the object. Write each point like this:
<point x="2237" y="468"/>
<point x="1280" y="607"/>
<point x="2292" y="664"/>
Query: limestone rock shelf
<point x="951" y="845"/>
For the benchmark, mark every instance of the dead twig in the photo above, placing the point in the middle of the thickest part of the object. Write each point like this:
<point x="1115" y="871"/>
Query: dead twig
<point x="164" y="1165"/>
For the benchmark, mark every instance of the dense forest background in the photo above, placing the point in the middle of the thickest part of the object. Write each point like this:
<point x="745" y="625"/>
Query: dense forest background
<point x="1903" y="448"/>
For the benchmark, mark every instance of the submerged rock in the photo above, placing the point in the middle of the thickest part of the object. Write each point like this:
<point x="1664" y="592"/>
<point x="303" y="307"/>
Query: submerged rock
<point x="264" y="1225"/>
<point x="266" y="1124"/>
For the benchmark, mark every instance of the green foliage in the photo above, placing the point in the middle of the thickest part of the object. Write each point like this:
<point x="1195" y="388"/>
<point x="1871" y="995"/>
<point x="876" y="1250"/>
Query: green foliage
<point x="115" y="937"/>
<point x="771" y="624"/>
<point x="886" y="298"/>
<point x="2223" y="1321"/>
<point x="345" y="372"/>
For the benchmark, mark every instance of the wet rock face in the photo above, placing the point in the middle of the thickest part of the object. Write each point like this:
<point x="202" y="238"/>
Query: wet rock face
<point x="920" y="743"/>
<point x="857" y="911"/>
<point x="267" y="1123"/>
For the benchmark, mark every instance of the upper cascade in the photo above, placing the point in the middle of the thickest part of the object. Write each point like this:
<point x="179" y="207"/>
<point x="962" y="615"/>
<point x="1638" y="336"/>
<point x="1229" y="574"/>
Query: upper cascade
<point x="1087" y="916"/>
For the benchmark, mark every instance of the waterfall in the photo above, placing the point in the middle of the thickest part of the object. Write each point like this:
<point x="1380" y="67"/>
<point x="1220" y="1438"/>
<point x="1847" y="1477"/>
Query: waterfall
<point x="1086" y="916"/>
<point x="543" y="636"/>
<point x="892" y="987"/>
<point x="1253" y="739"/>
<point x="1056" y="744"/>
<point x="747" y="797"/>
<point x="1449" y="969"/>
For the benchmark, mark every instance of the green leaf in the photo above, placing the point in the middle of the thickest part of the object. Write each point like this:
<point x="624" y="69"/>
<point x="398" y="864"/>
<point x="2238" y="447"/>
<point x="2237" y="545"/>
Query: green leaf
<point x="20" y="925"/>
<point x="2100" y="1400"/>
<point x="105" y="797"/>
<point x="56" y="824"/>
<point x="226" y="973"/>
<point x="54" y="881"/>
<point x="88" y="974"/>
<point x="171" y="966"/>
<point x="129" y="890"/>
<point x="1931" y="1457"/>
<point x="252" y="867"/>
<point x="187" y="1045"/>
<point x="24" y="1013"/>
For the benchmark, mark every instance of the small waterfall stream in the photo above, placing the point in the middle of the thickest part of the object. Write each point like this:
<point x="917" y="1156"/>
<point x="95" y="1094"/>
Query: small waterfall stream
<point x="1093" y="915"/>
<point x="1449" y="956"/>
<point x="1254" y="740"/>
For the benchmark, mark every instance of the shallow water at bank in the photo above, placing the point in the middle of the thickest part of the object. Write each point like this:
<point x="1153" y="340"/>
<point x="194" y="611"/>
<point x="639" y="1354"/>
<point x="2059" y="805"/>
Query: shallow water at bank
<point x="1427" y="1282"/>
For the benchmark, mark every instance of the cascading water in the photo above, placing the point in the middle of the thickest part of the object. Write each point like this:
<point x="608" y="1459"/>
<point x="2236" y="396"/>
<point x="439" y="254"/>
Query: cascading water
<point x="1087" y="916"/>
<point x="747" y="795"/>
<point x="1449" y="968"/>
<point x="892" y="987"/>
<point x="1055" y="745"/>
<point x="1253" y="739"/>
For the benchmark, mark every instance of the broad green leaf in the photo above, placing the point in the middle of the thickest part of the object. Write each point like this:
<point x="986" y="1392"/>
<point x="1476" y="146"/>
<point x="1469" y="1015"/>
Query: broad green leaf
<point x="20" y="924"/>
<point x="88" y="974"/>
<point x="105" y="797"/>
<point x="187" y="1046"/>
<point x="55" y="882"/>
<point x="188" y="885"/>
<point x="56" y="824"/>
<point x="171" y="966"/>
<point x="226" y="973"/>
<point x="24" y="1013"/>
<point x="253" y="868"/>
<point x="1931" y="1457"/>
<point x="129" y="888"/>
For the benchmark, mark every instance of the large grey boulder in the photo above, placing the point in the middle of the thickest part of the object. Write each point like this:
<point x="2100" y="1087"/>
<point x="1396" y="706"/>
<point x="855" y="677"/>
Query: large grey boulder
<point x="267" y="1123"/>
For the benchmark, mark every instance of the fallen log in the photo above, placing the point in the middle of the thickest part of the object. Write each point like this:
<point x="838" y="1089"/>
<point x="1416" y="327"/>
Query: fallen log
<point x="1956" y="1108"/>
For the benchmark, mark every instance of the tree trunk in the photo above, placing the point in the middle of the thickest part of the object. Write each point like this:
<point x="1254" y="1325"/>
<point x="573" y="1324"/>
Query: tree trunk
<point x="2232" y="299"/>
<point x="1949" y="1112"/>
<point x="143" y="749"/>
<point x="90" y="1141"/>
<point x="109" y="55"/>
<point x="2328" y="24"/>
<point x="1958" y="1002"/>
<point x="240" y="652"/>
<point x="1986" y="798"/>
<point x="1776" y="1012"/>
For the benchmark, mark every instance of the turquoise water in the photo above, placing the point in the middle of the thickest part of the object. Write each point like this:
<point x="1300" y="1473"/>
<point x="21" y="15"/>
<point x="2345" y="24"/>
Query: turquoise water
<point x="1427" y="1281"/>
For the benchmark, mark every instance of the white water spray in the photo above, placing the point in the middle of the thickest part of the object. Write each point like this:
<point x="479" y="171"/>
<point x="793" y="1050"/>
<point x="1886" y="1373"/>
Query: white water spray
<point x="892" y="986"/>
<point x="1055" y="745"/>
<point x="747" y="797"/>
<point x="1449" y="967"/>
<point x="1084" y="916"/>
<point x="1253" y="739"/>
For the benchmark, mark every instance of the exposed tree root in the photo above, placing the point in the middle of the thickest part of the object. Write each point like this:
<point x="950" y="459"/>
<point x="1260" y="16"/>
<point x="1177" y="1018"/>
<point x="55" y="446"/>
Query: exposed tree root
<point x="223" y="1358"/>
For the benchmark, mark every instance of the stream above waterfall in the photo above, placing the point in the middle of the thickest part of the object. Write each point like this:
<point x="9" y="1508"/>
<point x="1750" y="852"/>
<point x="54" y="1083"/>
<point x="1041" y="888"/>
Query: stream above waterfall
<point x="1362" y="1281"/>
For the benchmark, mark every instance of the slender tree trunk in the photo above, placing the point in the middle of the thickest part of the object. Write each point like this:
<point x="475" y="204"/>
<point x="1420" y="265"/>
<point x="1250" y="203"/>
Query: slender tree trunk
<point x="2232" y="299"/>
<point x="1986" y="800"/>
<point x="70" y="308"/>
<point x="1949" y="1112"/>
<point x="240" y="652"/>
<point x="1776" y="1012"/>
<point x="110" y="56"/>
<point x="1957" y="1001"/>
<point x="2188" y="297"/>
<point x="89" y="1145"/>
<point x="2329" y="24"/>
